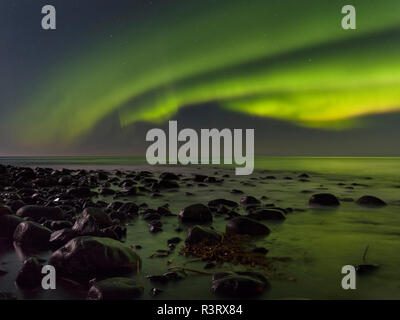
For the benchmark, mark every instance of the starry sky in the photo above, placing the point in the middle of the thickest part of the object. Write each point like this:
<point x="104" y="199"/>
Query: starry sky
<point x="114" y="69"/>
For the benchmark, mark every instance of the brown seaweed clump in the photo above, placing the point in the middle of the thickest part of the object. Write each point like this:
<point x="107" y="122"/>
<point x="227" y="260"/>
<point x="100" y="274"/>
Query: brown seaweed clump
<point x="231" y="248"/>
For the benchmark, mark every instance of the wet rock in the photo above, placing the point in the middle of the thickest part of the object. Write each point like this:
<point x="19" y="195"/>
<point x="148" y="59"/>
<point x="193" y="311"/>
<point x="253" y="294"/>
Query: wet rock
<point x="106" y="192"/>
<point x="61" y="237"/>
<point x="324" y="199"/>
<point x="62" y="224"/>
<point x="198" y="213"/>
<point x="236" y="191"/>
<point x="85" y="258"/>
<point x="30" y="234"/>
<point x="199" y="178"/>
<point x="260" y="250"/>
<point x="99" y="216"/>
<point x="86" y="226"/>
<point x="267" y="214"/>
<point x="155" y="226"/>
<point x="30" y="276"/>
<point x="239" y="285"/>
<point x="244" y="225"/>
<point x="37" y="212"/>
<point x="366" y="268"/>
<point x="155" y="291"/>
<point x="168" y="184"/>
<point x="174" y="240"/>
<point x="4" y="210"/>
<point x="151" y="216"/>
<point x="223" y="202"/>
<point x="82" y="192"/>
<point x="168" y="176"/>
<point x="166" y="277"/>
<point x="249" y="200"/>
<point x="210" y="265"/>
<point x="304" y="175"/>
<point x="117" y="288"/>
<point x="371" y="201"/>
<point x="199" y="234"/>
<point x="8" y="224"/>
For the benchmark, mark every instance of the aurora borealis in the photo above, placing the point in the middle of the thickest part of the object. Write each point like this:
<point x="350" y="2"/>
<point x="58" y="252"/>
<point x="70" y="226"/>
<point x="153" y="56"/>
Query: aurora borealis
<point x="285" y="60"/>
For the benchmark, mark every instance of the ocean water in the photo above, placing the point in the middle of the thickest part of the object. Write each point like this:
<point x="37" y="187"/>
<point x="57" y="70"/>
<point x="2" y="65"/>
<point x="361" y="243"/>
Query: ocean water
<point x="319" y="242"/>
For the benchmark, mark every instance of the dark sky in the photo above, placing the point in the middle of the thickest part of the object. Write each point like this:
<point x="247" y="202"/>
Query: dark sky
<point x="134" y="60"/>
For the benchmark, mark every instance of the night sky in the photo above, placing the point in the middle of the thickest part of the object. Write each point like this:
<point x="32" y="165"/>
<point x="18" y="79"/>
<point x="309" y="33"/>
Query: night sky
<point x="114" y="69"/>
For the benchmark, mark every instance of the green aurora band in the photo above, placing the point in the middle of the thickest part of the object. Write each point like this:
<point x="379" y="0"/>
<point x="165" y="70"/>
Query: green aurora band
<point x="288" y="60"/>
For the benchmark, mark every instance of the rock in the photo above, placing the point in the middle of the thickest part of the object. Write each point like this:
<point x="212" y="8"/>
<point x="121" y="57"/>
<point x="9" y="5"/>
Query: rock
<point x="4" y="210"/>
<point x="85" y="258"/>
<point x="152" y="216"/>
<point x="155" y="291"/>
<point x="86" y="226"/>
<point x="371" y="201"/>
<point x="174" y="240"/>
<point x="37" y="212"/>
<point x="99" y="216"/>
<point x="249" y="200"/>
<point x="199" y="178"/>
<point x="8" y="224"/>
<point x="61" y="224"/>
<point x="244" y="225"/>
<point x="223" y="202"/>
<point x="239" y="284"/>
<point x="30" y="276"/>
<point x="168" y="176"/>
<point x="168" y="184"/>
<point x="114" y="289"/>
<point x="267" y="214"/>
<point x="366" y="268"/>
<point x="61" y="237"/>
<point x="260" y="250"/>
<point x="30" y="234"/>
<point x="199" y="234"/>
<point x="82" y="192"/>
<point x="198" y="213"/>
<point x="324" y="199"/>
<point x="106" y="191"/>
<point x="166" y="277"/>
<point x="236" y="191"/>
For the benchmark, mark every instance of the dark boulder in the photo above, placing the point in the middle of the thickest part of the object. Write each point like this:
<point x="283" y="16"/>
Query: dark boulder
<point x="267" y="214"/>
<point x="85" y="258"/>
<point x="168" y="184"/>
<point x="30" y="234"/>
<point x="86" y="226"/>
<point x="37" y="212"/>
<point x="82" y="192"/>
<point x="239" y="284"/>
<point x="249" y="200"/>
<point x="30" y="275"/>
<point x="199" y="234"/>
<point x="371" y="201"/>
<point x="8" y="224"/>
<point x="114" y="289"/>
<point x="198" y="213"/>
<point x="99" y="216"/>
<point x="168" y="176"/>
<point x="223" y="202"/>
<point x="61" y="237"/>
<point x="4" y="210"/>
<point x="244" y="225"/>
<point x="324" y="199"/>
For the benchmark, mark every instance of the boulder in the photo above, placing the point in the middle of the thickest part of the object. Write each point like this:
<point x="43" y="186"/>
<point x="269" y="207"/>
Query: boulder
<point x="244" y="225"/>
<point x="114" y="289"/>
<point x="30" y="234"/>
<point x="222" y="202"/>
<point x="61" y="237"/>
<point x="99" y="216"/>
<point x="239" y="284"/>
<point x="249" y="200"/>
<point x="198" y="213"/>
<point x="324" y="199"/>
<point x="4" y="210"/>
<point x="37" y="212"/>
<point x="199" y="234"/>
<point x="8" y="224"/>
<point x="267" y="214"/>
<point x="85" y="258"/>
<point x="30" y="276"/>
<point x="371" y="201"/>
